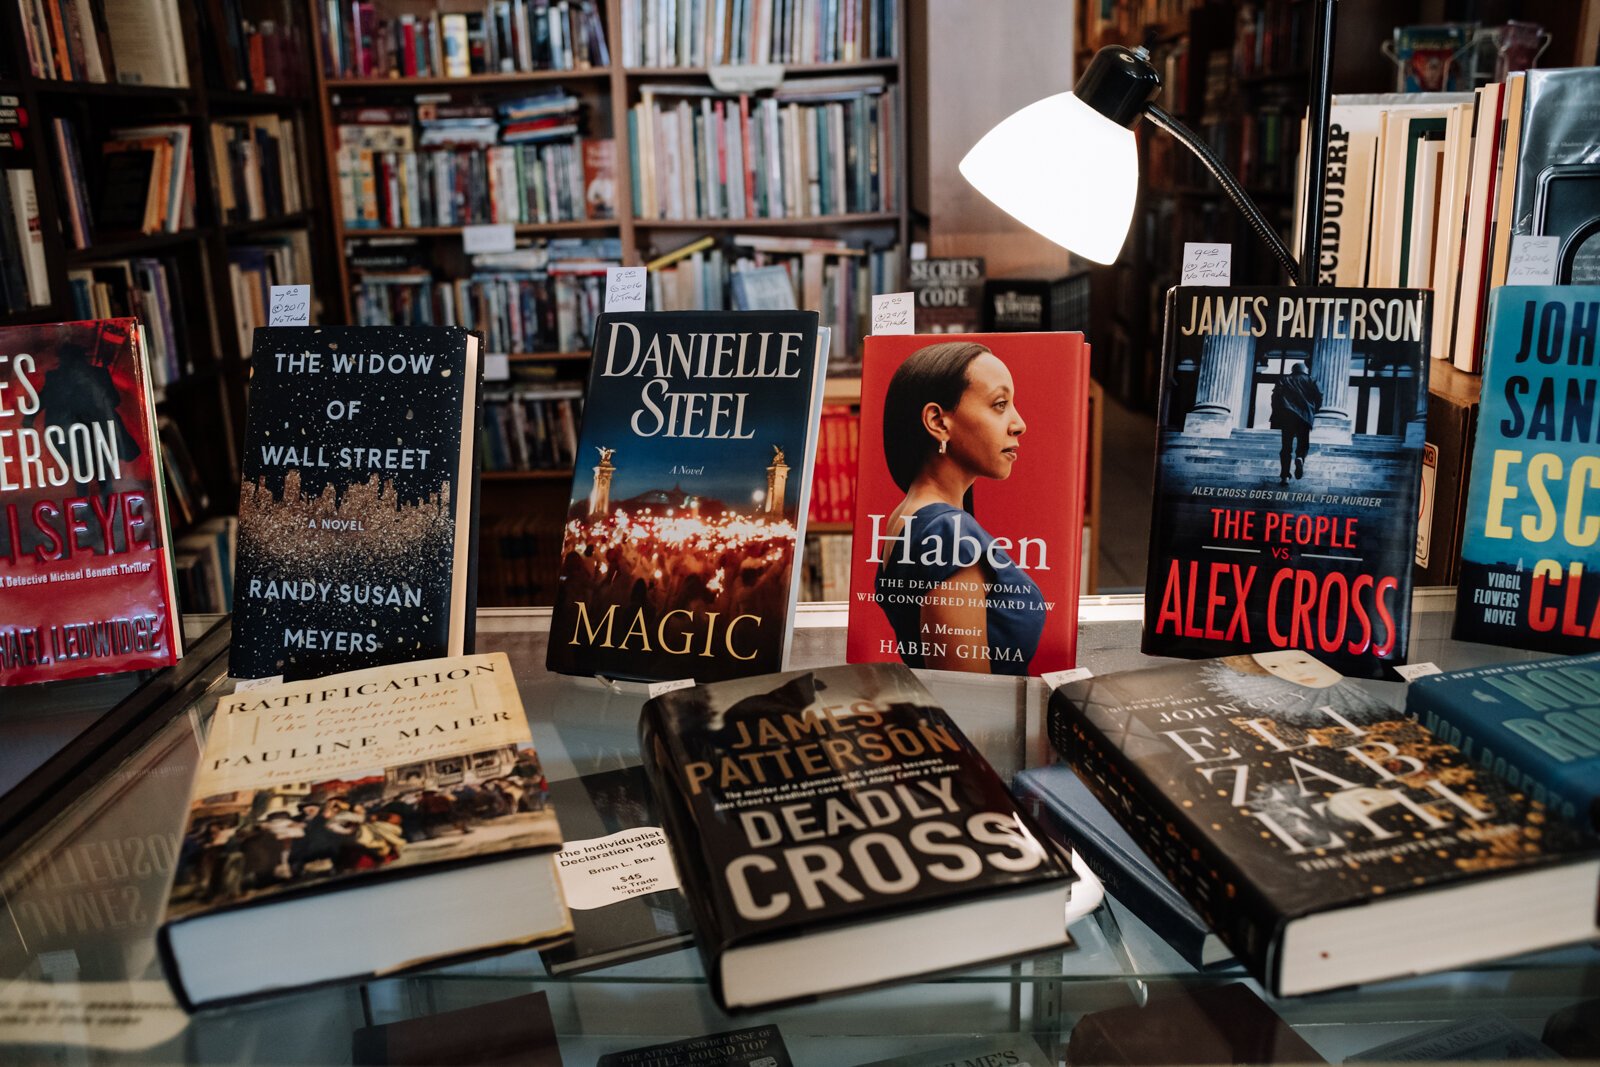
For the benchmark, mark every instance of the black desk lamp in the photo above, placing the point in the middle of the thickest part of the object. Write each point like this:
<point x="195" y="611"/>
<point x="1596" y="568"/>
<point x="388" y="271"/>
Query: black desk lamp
<point x="1067" y="166"/>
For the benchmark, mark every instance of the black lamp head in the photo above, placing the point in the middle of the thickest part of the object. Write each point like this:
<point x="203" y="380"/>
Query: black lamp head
<point x="1118" y="83"/>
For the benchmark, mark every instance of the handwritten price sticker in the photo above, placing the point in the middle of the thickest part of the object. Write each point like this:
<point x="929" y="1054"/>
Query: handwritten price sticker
<point x="625" y="288"/>
<point x="1056" y="679"/>
<point x="657" y="688"/>
<point x="247" y="684"/>
<point x="289" y="305"/>
<point x="1412" y="671"/>
<point x="1207" y="264"/>
<point x="1533" y="260"/>
<point x="894" y="313"/>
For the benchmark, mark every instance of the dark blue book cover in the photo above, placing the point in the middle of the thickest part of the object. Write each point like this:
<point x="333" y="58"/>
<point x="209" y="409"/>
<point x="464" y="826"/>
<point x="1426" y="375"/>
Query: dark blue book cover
<point x="1068" y="811"/>
<point x="1288" y="463"/>
<point x="689" y="500"/>
<point x="357" y="518"/>
<point x="1530" y="568"/>
<point x="1536" y="725"/>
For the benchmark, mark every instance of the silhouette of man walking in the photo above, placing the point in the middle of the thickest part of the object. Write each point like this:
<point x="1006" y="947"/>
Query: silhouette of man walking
<point x="1295" y="402"/>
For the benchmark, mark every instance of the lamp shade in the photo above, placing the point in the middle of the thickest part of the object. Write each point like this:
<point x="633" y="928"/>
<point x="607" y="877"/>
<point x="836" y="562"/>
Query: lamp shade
<point x="1064" y="170"/>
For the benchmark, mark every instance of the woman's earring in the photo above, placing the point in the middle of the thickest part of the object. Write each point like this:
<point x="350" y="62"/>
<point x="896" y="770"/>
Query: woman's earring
<point x="944" y="446"/>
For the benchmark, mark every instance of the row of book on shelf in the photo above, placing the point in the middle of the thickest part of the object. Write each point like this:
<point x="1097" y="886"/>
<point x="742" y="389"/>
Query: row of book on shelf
<point x="712" y="33"/>
<point x="1281" y="564"/>
<point x="499" y="37"/>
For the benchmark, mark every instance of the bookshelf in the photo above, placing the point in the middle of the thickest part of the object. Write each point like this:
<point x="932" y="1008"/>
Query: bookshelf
<point x="204" y="398"/>
<point x="512" y="539"/>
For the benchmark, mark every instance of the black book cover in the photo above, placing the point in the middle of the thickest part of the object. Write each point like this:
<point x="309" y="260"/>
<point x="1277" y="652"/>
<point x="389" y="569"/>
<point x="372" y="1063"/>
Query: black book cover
<point x="616" y="872"/>
<point x="1288" y="463"/>
<point x="690" y="494"/>
<point x="356" y="504"/>
<point x="515" y="1032"/>
<point x="124" y="191"/>
<point x="1558" y="172"/>
<point x="760" y="778"/>
<point x="758" y="1046"/>
<point x="1221" y="1025"/>
<point x="1267" y="787"/>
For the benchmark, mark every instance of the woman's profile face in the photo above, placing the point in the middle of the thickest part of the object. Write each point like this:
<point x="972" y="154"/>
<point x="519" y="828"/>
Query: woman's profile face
<point x="985" y="427"/>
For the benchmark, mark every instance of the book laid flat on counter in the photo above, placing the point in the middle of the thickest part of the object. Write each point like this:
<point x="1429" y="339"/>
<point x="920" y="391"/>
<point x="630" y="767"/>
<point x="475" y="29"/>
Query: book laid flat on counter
<point x="358" y="499"/>
<point x="86" y="560"/>
<point x="969" y="502"/>
<point x="1067" y="810"/>
<point x="360" y="824"/>
<point x="690" y="496"/>
<point x="1221" y="1025"/>
<point x="616" y="874"/>
<point x="1288" y="460"/>
<point x="1327" y="838"/>
<point x="841" y="815"/>
<point x="1537" y="725"/>
<point x="757" y="1046"/>
<point x="1001" y="1050"/>
<point x="1530" y="565"/>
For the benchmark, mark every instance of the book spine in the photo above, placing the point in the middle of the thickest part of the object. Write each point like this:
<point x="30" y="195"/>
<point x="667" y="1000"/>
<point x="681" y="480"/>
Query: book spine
<point x="1212" y="883"/>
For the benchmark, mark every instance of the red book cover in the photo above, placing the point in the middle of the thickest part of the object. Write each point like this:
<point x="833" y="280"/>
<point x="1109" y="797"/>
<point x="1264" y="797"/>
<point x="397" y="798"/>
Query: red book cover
<point x="969" y="502"/>
<point x="85" y="560"/>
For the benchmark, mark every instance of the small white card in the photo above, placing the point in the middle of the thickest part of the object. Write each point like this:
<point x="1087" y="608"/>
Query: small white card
<point x="496" y="367"/>
<point x="603" y="870"/>
<point x="1206" y="264"/>
<point x="289" y="305"/>
<point x="657" y="688"/>
<point x="1060" y="678"/>
<point x="1412" y="671"/>
<point x="625" y="288"/>
<point x="1533" y="260"/>
<point x="919" y="250"/>
<point x="894" y="313"/>
<point x="258" y="683"/>
<point x="497" y="237"/>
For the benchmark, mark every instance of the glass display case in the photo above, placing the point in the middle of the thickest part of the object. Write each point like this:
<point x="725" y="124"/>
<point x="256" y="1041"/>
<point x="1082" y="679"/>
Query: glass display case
<point x="81" y="896"/>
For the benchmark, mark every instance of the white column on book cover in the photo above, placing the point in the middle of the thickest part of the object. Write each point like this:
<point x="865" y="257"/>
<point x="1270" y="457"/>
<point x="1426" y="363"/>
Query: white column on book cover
<point x="1330" y="369"/>
<point x="1219" y="390"/>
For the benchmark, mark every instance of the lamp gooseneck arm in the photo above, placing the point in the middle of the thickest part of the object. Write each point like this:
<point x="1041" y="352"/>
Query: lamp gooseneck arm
<point x="1230" y="185"/>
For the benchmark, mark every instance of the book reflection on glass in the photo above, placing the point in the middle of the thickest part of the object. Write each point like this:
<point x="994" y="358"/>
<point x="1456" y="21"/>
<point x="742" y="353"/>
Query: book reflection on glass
<point x="516" y="1032"/>
<point x="1221" y="1025"/>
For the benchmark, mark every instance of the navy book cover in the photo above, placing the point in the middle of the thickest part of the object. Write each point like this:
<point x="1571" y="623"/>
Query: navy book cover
<point x="1288" y="463"/>
<point x="688" y="506"/>
<point x="356" y="521"/>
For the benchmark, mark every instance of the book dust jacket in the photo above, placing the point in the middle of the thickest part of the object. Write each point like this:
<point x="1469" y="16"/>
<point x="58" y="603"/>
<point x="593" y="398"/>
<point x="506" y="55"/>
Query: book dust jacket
<point x="1528" y="555"/>
<point x="85" y="557"/>
<point x="689" y="499"/>
<point x="1288" y="465"/>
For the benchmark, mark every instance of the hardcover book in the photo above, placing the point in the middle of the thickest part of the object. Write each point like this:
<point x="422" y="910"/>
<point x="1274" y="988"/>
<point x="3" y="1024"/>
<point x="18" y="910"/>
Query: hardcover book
<point x="412" y="790"/>
<point x="1530" y="568"/>
<point x="1537" y="725"/>
<point x="1220" y="1025"/>
<point x="515" y="1032"/>
<point x="357" y="500"/>
<point x="758" y="1046"/>
<point x="1558" y="169"/>
<point x="949" y="294"/>
<point x="616" y="873"/>
<point x="1000" y="1050"/>
<point x="1288" y="459"/>
<point x="86" y="560"/>
<point x="838" y="814"/>
<point x="969" y="502"/>
<point x="1327" y="838"/>
<point x="690" y="496"/>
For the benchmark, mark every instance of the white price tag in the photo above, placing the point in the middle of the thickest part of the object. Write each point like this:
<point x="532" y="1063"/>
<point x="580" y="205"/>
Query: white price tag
<point x="1206" y="264"/>
<point x="1056" y="679"/>
<point x="894" y="313"/>
<point x="289" y="305"/>
<point x="498" y="237"/>
<point x="496" y="367"/>
<point x="257" y="683"/>
<point x="657" y="688"/>
<point x="625" y="288"/>
<point x="919" y="250"/>
<point x="1533" y="260"/>
<point x="603" y="870"/>
<point x="1412" y="671"/>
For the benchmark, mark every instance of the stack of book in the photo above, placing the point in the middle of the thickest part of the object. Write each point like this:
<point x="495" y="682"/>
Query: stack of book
<point x="501" y="37"/>
<point x="63" y="39"/>
<point x="146" y="182"/>
<point x="1433" y="187"/>
<point x="253" y="269"/>
<point x="258" y="166"/>
<point x="822" y="146"/>
<point x="252" y="52"/>
<point x="708" y="33"/>
<point x="146" y="289"/>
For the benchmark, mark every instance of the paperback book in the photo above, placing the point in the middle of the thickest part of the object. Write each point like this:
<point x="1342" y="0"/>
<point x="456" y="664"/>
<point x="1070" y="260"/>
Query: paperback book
<point x="1530" y="568"/>
<point x="1537" y="725"/>
<point x="358" y="499"/>
<point x="86" y="556"/>
<point x="757" y="1046"/>
<point x="690" y="496"/>
<point x="840" y="814"/>
<point x="1288" y="461"/>
<point x="1326" y="837"/>
<point x="315" y="853"/>
<point x="969" y="502"/>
